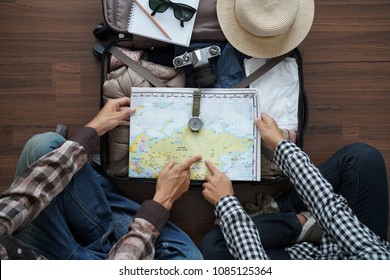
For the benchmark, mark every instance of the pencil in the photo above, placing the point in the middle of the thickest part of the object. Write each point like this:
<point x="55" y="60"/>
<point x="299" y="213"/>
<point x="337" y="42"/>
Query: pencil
<point x="152" y="19"/>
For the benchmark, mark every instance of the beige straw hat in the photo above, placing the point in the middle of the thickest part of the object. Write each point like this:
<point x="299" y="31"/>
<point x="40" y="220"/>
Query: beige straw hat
<point x="265" y="28"/>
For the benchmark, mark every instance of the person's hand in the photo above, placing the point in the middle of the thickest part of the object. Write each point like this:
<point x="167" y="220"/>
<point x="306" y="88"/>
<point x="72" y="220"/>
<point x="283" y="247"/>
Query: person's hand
<point x="115" y="112"/>
<point x="217" y="185"/>
<point x="269" y="131"/>
<point x="173" y="181"/>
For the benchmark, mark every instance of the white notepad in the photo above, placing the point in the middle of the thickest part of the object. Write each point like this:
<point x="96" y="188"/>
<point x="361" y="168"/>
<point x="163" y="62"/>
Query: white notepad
<point x="140" y="24"/>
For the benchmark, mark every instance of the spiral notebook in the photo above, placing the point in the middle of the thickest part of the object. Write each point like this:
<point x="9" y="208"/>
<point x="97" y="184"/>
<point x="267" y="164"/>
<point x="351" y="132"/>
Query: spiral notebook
<point x="140" y="24"/>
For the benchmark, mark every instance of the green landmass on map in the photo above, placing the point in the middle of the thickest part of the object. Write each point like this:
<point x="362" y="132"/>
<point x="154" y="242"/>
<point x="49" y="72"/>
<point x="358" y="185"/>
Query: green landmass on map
<point x="148" y="154"/>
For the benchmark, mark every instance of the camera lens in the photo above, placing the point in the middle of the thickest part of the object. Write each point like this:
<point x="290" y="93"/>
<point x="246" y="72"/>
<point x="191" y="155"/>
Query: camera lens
<point x="178" y="61"/>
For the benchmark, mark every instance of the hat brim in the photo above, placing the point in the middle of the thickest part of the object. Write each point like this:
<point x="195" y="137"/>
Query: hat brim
<point x="264" y="47"/>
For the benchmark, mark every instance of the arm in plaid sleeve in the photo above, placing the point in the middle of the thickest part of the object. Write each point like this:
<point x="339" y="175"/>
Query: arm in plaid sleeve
<point x="138" y="243"/>
<point x="31" y="192"/>
<point x="241" y="235"/>
<point x="330" y="209"/>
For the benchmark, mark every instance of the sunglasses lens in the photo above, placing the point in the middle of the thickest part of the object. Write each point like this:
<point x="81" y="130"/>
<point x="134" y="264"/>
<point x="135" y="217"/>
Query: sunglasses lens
<point x="158" y="6"/>
<point x="184" y="13"/>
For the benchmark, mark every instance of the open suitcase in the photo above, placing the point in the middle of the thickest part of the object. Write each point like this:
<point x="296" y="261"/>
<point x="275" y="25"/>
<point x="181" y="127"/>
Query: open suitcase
<point x="119" y="46"/>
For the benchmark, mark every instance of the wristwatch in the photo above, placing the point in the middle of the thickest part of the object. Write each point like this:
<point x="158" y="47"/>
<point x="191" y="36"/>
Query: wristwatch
<point x="195" y="122"/>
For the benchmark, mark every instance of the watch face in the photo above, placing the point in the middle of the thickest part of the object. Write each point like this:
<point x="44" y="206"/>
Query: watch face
<point x="195" y="124"/>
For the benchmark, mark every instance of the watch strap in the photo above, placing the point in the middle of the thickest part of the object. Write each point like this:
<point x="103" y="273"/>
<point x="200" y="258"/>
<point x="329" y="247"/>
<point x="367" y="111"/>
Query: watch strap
<point x="196" y="103"/>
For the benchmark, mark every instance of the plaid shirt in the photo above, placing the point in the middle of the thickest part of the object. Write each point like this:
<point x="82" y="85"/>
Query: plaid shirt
<point x="33" y="190"/>
<point x="239" y="231"/>
<point x="344" y="236"/>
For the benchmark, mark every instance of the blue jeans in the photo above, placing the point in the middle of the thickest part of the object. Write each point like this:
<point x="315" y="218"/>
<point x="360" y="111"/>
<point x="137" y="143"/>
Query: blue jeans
<point x="89" y="216"/>
<point x="356" y="172"/>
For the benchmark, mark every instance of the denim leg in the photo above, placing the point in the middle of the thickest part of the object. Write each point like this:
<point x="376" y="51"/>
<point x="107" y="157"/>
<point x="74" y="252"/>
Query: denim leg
<point x="36" y="147"/>
<point x="86" y="224"/>
<point x="213" y="246"/>
<point x="174" y="244"/>
<point x="78" y="222"/>
<point x="89" y="216"/>
<point x="358" y="173"/>
<point x="277" y="230"/>
<point x="52" y="236"/>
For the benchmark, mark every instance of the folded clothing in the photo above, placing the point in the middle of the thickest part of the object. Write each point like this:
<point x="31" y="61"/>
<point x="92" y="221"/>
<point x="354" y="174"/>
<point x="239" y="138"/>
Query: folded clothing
<point x="115" y="63"/>
<point x="278" y="90"/>
<point x="118" y="84"/>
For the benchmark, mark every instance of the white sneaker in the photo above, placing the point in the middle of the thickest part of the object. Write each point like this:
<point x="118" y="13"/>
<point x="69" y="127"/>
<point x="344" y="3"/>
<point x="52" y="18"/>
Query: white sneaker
<point x="311" y="230"/>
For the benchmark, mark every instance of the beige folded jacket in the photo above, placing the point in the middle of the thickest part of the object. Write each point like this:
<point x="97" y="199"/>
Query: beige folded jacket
<point x="118" y="84"/>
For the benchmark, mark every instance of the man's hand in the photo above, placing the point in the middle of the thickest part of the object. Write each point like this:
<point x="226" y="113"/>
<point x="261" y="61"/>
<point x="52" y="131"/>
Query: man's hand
<point x="173" y="181"/>
<point x="217" y="185"/>
<point x="115" y="112"/>
<point x="269" y="131"/>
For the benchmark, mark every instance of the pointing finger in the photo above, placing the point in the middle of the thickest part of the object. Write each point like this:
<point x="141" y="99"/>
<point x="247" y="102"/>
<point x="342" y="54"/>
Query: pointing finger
<point x="168" y="166"/>
<point x="187" y="164"/>
<point x="211" y="167"/>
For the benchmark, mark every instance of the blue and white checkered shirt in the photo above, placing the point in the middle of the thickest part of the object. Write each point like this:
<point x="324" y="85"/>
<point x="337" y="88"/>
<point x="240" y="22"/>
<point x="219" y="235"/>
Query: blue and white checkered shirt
<point x="344" y="236"/>
<point x="239" y="231"/>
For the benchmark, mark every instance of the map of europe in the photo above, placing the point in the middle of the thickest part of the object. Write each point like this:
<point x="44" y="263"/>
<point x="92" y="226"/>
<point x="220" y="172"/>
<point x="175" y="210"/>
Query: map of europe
<point x="228" y="138"/>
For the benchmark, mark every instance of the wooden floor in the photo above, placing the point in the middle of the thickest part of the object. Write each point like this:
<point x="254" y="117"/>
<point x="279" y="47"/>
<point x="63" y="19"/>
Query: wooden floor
<point x="49" y="76"/>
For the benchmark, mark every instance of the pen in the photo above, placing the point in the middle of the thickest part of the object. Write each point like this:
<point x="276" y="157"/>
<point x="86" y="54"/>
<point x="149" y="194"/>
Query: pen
<point x="153" y="19"/>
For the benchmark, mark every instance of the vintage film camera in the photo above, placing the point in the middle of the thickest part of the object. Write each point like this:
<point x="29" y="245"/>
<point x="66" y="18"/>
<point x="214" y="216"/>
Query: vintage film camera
<point x="200" y="60"/>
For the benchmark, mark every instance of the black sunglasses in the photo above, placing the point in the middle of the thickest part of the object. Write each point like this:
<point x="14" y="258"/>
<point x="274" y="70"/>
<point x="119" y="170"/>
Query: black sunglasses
<point x="181" y="11"/>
